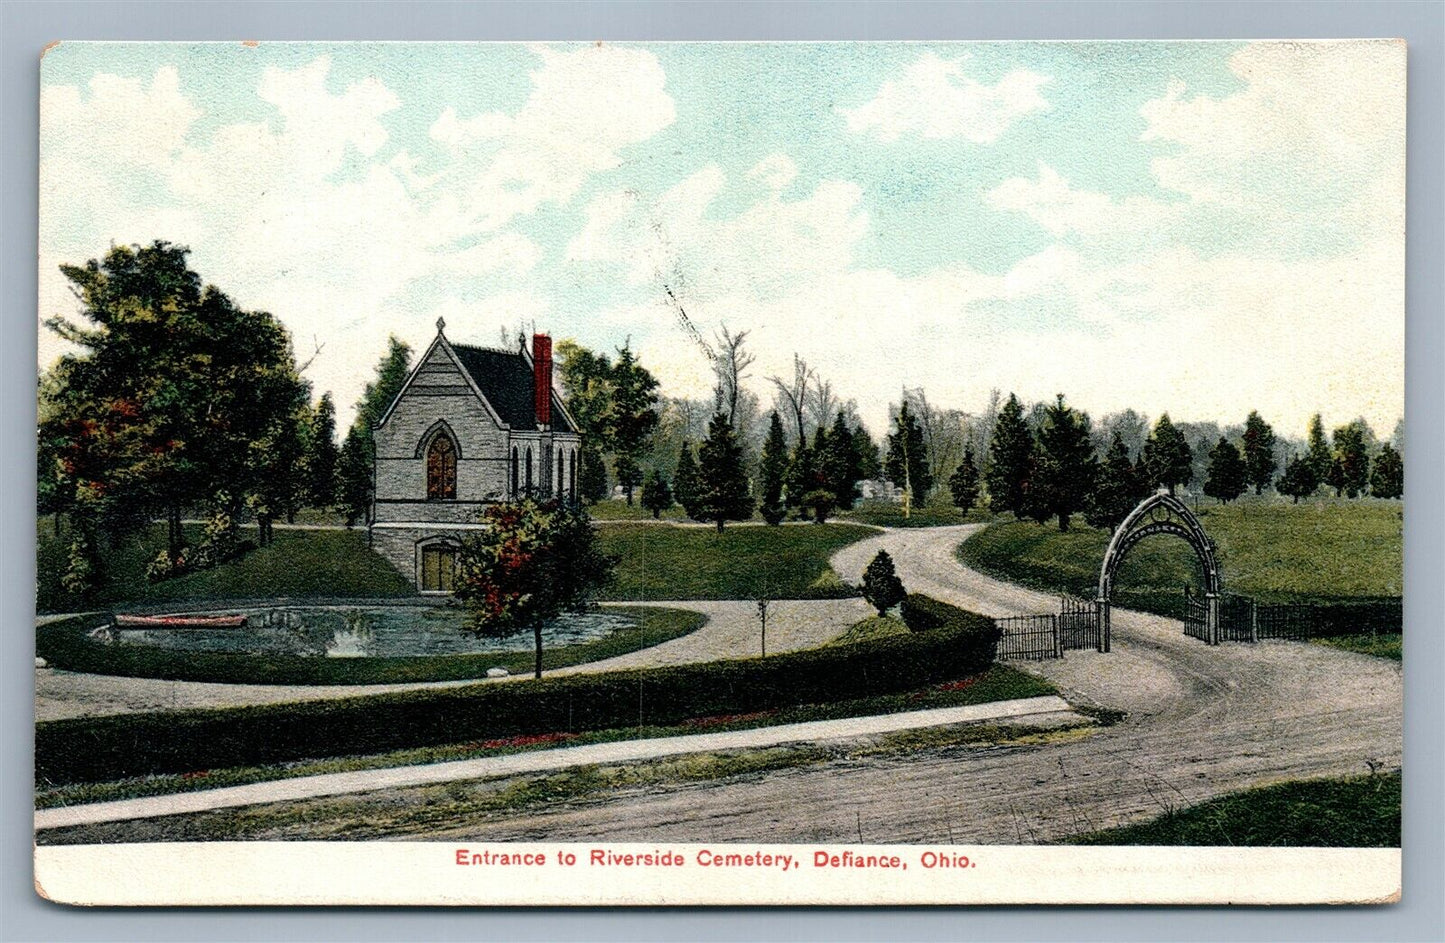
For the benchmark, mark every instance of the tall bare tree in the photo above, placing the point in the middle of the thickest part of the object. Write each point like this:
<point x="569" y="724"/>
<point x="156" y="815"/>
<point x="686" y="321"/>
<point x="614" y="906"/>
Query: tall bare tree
<point x="823" y="403"/>
<point x="793" y="394"/>
<point x="731" y="363"/>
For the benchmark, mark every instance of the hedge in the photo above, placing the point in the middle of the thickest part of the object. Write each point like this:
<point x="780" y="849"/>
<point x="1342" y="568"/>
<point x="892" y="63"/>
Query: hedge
<point x="922" y="613"/>
<point x="98" y="749"/>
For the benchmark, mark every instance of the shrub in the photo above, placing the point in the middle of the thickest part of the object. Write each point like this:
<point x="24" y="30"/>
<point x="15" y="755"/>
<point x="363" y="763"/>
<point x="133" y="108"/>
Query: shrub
<point x="881" y="585"/>
<point x="97" y="749"/>
<point x="922" y="613"/>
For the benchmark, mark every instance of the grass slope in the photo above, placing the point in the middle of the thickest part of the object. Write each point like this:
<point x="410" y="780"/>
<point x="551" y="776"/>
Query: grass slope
<point x="298" y="564"/>
<point x="67" y="647"/>
<point x="890" y="514"/>
<point x="1355" y="812"/>
<point x="789" y="562"/>
<point x="1317" y="551"/>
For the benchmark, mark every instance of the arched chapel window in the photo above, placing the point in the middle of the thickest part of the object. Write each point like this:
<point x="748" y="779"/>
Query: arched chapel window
<point x="529" y="471"/>
<point x="515" y="480"/>
<point x="441" y="469"/>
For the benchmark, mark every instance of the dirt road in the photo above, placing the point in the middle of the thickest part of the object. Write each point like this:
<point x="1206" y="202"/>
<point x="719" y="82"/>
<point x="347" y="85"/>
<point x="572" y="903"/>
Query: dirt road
<point x="1201" y="721"/>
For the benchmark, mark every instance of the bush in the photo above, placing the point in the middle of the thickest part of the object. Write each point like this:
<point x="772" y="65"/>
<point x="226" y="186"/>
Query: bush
<point x="881" y="585"/>
<point x="98" y="749"/>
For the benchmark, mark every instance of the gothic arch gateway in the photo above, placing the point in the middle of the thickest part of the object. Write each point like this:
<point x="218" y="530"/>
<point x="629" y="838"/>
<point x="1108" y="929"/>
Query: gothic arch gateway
<point x="1161" y="513"/>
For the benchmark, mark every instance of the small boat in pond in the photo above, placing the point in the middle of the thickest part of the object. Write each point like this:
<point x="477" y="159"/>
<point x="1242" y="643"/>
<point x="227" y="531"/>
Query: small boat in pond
<point x="179" y="622"/>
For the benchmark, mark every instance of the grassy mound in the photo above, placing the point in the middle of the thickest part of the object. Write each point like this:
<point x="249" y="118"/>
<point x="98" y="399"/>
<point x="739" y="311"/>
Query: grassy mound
<point x="66" y="645"/>
<point x="790" y="562"/>
<point x="299" y="564"/>
<point x="1320" y="551"/>
<point x="1357" y="812"/>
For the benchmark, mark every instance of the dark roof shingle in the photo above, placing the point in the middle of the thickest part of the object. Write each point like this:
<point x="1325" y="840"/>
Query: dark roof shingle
<point x="505" y="379"/>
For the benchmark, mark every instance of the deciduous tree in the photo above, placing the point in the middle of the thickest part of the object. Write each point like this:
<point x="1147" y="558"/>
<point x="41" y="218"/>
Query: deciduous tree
<point x="1299" y="479"/>
<point x="1352" y="451"/>
<point x="1388" y="478"/>
<point x="656" y="494"/>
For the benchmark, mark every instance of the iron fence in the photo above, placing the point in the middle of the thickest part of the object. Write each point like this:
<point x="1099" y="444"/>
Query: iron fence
<point x="1196" y="622"/>
<point x="1079" y="623"/>
<point x="1029" y="637"/>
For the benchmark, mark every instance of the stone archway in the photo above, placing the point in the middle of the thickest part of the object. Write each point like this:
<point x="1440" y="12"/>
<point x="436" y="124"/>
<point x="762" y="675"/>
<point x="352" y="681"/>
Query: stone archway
<point x="1162" y="513"/>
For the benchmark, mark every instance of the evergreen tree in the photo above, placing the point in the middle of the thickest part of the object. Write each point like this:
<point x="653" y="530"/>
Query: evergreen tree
<point x="870" y="466"/>
<point x="907" y="460"/>
<point x="1228" y="474"/>
<point x="1335" y="476"/>
<point x="353" y="478"/>
<point x="1167" y="457"/>
<point x="1388" y="478"/>
<point x="1011" y="450"/>
<point x="376" y="399"/>
<point x="321" y="462"/>
<point x="1117" y="489"/>
<point x="722" y="492"/>
<point x="1319" y="455"/>
<point x="1259" y="452"/>
<point x="800" y="478"/>
<point x="1352" y="450"/>
<point x="633" y="418"/>
<point x="592" y="480"/>
<point x="881" y="585"/>
<point x="1064" y="466"/>
<point x="772" y="470"/>
<point x="841" y="464"/>
<point x="1299" y="479"/>
<point x="656" y="495"/>
<point x="819" y="496"/>
<point x="963" y="483"/>
<point x="686" y="484"/>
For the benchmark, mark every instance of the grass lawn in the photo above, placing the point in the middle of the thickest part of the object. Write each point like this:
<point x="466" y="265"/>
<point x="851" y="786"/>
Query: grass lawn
<point x="297" y="564"/>
<point x="789" y="562"/>
<point x="1318" y="551"/>
<point x="69" y="648"/>
<point x="871" y="628"/>
<point x="998" y="683"/>
<point x="890" y="514"/>
<point x="1354" y="812"/>
<point x="1388" y="645"/>
<point x="616" y="510"/>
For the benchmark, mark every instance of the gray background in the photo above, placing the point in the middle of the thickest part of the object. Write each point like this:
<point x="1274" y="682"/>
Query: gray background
<point x="26" y="26"/>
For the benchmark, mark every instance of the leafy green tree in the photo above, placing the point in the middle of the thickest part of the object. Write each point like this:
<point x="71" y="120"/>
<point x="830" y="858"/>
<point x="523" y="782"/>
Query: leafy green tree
<point x="963" y="483"/>
<point x="722" y="492"/>
<point x="1388" y="478"/>
<point x="161" y="407"/>
<point x="587" y="387"/>
<point x="1064" y="465"/>
<point x="881" y="585"/>
<point x="323" y="458"/>
<point x="907" y="461"/>
<point x="687" y="482"/>
<point x="633" y="418"/>
<point x="1352" y="451"/>
<point x="656" y="494"/>
<point x="1259" y="452"/>
<point x="870" y="466"/>
<point x="1228" y="475"/>
<point x="592" y="480"/>
<point x="772" y="470"/>
<point x="355" y="468"/>
<point x="1011" y="450"/>
<point x="1319" y="455"/>
<point x="1117" y="489"/>
<point x="1167" y="457"/>
<point x="530" y="564"/>
<point x="1299" y="479"/>
<point x="1335" y="477"/>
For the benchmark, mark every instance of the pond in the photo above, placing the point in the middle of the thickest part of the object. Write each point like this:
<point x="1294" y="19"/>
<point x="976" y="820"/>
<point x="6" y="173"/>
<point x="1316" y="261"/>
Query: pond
<point x="359" y="632"/>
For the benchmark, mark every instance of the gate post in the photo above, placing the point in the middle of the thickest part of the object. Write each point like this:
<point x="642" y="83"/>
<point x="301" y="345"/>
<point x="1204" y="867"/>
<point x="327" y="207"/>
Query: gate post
<point x="1211" y="618"/>
<point x="1254" y="620"/>
<point x="1101" y="617"/>
<point x="1058" y="638"/>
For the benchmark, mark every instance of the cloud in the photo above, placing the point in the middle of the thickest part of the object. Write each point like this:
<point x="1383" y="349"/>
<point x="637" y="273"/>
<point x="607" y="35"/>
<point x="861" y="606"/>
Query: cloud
<point x="315" y="214"/>
<point x="1062" y="210"/>
<point x="935" y="99"/>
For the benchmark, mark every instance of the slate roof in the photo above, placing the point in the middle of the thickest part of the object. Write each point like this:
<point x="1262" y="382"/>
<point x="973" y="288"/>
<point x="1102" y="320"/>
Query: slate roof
<point x="505" y="379"/>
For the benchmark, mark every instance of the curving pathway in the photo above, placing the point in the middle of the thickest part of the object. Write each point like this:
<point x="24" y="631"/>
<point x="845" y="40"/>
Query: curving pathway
<point x="732" y="630"/>
<point x="1201" y="721"/>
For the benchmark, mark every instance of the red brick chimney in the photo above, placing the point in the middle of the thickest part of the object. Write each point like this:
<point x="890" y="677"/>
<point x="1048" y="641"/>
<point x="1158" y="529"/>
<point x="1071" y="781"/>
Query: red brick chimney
<point x="542" y="378"/>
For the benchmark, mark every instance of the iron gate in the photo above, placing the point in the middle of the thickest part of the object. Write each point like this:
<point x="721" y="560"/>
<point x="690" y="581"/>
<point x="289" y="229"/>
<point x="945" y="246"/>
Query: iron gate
<point x="1079" y="624"/>
<point x="1030" y="637"/>
<point x="1196" y="623"/>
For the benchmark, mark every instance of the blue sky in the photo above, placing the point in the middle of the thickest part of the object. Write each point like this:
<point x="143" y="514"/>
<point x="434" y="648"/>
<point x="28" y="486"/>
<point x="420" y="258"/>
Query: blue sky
<point x="1199" y="227"/>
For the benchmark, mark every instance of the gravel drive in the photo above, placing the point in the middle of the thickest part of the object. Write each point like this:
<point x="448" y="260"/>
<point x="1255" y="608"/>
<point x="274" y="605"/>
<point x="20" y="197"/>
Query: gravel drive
<point x="1201" y="721"/>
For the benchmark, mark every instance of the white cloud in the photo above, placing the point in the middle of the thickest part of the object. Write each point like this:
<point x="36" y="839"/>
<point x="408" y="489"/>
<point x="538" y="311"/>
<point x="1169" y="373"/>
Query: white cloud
<point x="935" y="99"/>
<point x="316" y="216"/>
<point x="1061" y="209"/>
